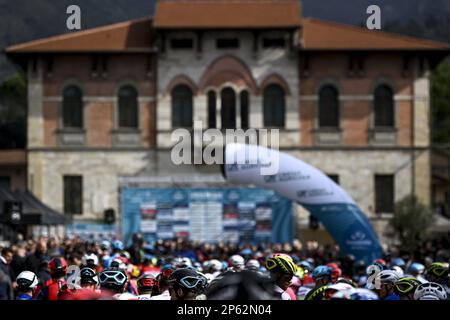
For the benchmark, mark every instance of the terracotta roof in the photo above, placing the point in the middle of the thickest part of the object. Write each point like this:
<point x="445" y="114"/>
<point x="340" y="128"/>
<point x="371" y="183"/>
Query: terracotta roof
<point x="227" y="14"/>
<point x="324" y="35"/>
<point x="131" y="35"/>
<point x="13" y="157"/>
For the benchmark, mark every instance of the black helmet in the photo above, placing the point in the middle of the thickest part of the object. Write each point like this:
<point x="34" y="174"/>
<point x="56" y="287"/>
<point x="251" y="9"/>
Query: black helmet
<point x="244" y="285"/>
<point x="113" y="280"/>
<point x="188" y="278"/>
<point x="88" y="276"/>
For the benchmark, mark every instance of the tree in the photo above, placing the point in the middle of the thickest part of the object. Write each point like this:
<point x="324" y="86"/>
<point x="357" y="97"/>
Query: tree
<point x="411" y="221"/>
<point x="13" y="106"/>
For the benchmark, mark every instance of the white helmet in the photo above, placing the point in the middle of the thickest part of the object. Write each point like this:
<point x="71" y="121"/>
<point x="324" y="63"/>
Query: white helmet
<point x="27" y="280"/>
<point x="399" y="271"/>
<point x="90" y="259"/>
<point x="253" y="265"/>
<point x="187" y="262"/>
<point x="387" y="276"/>
<point x="215" y="265"/>
<point x="430" y="291"/>
<point x="237" y="261"/>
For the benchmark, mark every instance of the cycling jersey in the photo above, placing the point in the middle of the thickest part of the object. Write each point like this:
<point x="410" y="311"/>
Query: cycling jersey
<point x="163" y="296"/>
<point x="24" y="296"/>
<point x="281" y="294"/>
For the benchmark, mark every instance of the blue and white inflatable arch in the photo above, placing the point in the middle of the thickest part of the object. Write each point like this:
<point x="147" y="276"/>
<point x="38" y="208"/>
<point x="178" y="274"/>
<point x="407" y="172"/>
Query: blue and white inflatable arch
<point x="311" y="188"/>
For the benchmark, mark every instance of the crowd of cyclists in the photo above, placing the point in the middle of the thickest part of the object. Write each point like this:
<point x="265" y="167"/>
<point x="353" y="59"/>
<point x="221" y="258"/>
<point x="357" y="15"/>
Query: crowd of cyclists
<point x="73" y="269"/>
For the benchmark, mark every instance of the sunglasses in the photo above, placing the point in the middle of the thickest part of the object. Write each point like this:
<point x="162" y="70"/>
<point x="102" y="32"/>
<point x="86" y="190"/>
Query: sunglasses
<point x="190" y="282"/>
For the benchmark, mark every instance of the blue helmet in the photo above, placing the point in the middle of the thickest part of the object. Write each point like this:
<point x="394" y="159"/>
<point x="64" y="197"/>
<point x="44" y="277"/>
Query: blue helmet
<point x="306" y="265"/>
<point x="398" y="262"/>
<point x="321" y="271"/>
<point x="117" y="245"/>
<point x="363" y="294"/>
<point x="416" y="267"/>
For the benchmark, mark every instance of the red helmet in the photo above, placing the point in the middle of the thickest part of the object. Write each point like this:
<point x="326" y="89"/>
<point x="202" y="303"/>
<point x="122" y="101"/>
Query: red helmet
<point x="381" y="261"/>
<point x="146" y="282"/>
<point x="58" y="266"/>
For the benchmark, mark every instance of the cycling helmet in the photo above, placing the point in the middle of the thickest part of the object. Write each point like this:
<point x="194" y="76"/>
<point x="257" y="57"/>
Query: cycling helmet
<point x="332" y="289"/>
<point x="215" y="265"/>
<point x="406" y="285"/>
<point x="245" y="285"/>
<point x="253" y="265"/>
<point x="438" y="269"/>
<point x="380" y="261"/>
<point x="416" y="267"/>
<point x="188" y="278"/>
<point x="398" y="270"/>
<point x="237" y="262"/>
<point x="398" y="262"/>
<point x="281" y="263"/>
<point x="117" y="245"/>
<point x="88" y="276"/>
<point x="306" y="265"/>
<point x="58" y="267"/>
<point x="146" y="282"/>
<point x="363" y="294"/>
<point x="26" y="280"/>
<point x="355" y="294"/>
<point x="90" y="259"/>
<point x="113" y="280"/>
<point x="430" y="291"/>
<point x="321" y="271"/>
<point x="118" y="263"/>
<point x="387" y="276"/>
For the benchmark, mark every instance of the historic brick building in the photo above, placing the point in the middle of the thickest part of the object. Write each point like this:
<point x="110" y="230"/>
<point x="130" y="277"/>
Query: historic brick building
<point x="103" y="102"/>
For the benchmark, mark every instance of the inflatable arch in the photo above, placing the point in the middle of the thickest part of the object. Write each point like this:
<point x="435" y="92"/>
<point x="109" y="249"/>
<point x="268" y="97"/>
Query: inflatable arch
<point x="311" y="188"/>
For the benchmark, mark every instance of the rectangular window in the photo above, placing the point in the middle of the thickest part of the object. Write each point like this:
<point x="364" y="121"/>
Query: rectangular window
<point x="181" y="43"/>
<point x="73" y="194"/>
<point x="334" y="177"/>
<point x="225" y="43"/>
<point x="5" y="182"/>
<point x="274" y="43"/>
<point x="384" y="193"/>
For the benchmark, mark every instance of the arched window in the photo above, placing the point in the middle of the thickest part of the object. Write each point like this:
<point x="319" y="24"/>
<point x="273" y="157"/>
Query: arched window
<point x="274" y="106"/>
<point x="181" y="107"/>
<point x="128" y="107"/>
<point x="244" y="110"/>
<point x="72" y="105"/>
<point x="212" y="109"/>
<point x="328" y="107"/>
<point x="228" y="109"/>
<point x="384" y="106"/>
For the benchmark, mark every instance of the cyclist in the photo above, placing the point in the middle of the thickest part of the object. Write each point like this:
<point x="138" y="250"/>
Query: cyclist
<point x="186" y="284"/>
<point x="88" y="279"/>
<point x="322" y="279"/>
<point x="385" y="282"/>
<point x="438" y="272"/>
<point x="163" y="285"/>
<point x="405" y="288"/>
<point x="90" y="260"/>
<point x="282" y="268"/>
<point x="147" y="286"/>
<point x="416" y="270"/>
<point x="27" y="282"/>
<point x="51" y="289"/>
<point x="236" y="263"/>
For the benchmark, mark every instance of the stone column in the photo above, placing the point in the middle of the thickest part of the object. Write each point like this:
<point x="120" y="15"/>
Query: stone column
<point x="421" y="122"/>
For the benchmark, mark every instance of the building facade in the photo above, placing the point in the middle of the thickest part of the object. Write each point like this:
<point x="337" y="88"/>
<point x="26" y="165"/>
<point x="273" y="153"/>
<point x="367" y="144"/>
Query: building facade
<point x="103" y="102"/>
